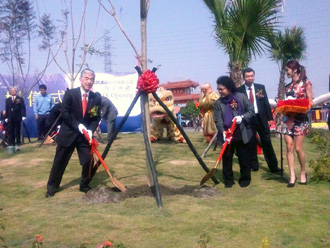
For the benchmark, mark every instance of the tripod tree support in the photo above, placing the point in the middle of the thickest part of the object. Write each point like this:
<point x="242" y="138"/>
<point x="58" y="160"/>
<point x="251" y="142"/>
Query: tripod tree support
<point x="192" y="148"/>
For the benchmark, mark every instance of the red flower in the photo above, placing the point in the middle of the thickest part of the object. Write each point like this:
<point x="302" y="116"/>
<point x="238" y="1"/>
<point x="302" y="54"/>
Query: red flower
<point x="196" y="104"/>
<point x="107" y="244"/>
<point x="147" y="82"/>
<point x="39" y="238"/>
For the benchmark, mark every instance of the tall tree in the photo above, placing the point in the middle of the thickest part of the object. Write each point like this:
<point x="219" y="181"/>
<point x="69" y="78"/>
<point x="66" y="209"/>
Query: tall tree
<point x="286" y="46"/>
<point x="242" y="28"/>
<point x="16" y="27"/>
<point x="70" y="39"/>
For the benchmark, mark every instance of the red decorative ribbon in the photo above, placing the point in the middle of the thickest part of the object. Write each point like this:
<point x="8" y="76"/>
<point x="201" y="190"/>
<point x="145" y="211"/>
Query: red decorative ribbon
<point x="93" y="143"/>
<point x="147" y="82"/>
<point x="292" y="106"/>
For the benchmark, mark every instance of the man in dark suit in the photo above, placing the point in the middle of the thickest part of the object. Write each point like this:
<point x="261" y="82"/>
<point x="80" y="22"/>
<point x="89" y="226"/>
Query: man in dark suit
<point x="261" y="122"/>
<point x="108" y="113"/>
<point x="80" y="111"/>
<point x="15" y="113"/>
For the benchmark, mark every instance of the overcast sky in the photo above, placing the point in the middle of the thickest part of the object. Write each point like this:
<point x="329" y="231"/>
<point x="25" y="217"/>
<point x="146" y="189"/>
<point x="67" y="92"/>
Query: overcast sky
<point x="181" y="41"/>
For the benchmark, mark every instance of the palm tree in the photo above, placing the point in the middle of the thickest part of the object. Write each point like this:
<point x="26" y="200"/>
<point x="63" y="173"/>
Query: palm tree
<point x="286" y="46"/>
<point x="242" y="28"/>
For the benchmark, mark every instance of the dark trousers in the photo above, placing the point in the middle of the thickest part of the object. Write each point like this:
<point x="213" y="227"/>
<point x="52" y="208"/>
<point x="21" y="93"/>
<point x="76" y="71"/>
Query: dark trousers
<point x="14" y="132"/>
<point x="61" y="160"/>
<point x="266" y="144"/>
<point x="243" y="160"/>
<point x="110" y="127"/>
<point x="42" y="127"/>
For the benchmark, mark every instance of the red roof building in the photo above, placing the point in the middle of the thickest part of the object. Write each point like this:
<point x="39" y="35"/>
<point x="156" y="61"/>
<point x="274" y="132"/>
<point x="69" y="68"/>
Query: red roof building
<point x="183" y="91"/>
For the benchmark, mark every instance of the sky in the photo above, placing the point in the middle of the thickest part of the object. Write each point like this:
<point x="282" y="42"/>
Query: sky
<point x="181" y="41"/>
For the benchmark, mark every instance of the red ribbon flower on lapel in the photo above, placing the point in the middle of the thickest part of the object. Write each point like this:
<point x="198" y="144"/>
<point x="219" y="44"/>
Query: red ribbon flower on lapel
<point x="147" y="82"/>
<point x="260" y="94"/>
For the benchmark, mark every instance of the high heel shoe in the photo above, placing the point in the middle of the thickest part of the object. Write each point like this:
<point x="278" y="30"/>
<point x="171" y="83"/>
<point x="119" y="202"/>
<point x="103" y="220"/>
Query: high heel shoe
<point x="304" y="183"/>
<point x="291" y="185"/>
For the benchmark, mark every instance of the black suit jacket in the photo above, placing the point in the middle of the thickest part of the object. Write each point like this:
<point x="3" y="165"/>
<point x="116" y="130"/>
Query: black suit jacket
<point x="72" y="116"/>
<point x="264" y="109"/>
<point x="15" y="110"/>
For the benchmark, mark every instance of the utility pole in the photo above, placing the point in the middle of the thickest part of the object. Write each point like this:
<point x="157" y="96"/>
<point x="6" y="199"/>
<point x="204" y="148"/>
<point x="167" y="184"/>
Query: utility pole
<point x="107" y="54"/>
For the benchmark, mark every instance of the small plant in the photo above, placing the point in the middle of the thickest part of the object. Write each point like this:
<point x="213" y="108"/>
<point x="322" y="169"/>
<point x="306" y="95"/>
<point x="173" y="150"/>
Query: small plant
<point x="84" y="245"/>
<point x="3" y="227"/>
<point x="38" y="242"/>
<point x="264" y="243"/>
<point x="203" y="240"/>
<point x="321" y="165"/>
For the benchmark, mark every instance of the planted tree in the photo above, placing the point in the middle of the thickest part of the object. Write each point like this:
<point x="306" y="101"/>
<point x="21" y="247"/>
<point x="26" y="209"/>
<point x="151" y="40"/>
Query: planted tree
<point x="242" y="28"/>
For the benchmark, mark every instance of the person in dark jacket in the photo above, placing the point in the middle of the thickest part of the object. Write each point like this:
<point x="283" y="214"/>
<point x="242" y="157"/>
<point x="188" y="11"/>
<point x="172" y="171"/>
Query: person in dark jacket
<point x="15" y="114"/>
<point x="258" y="96"/>
<point x="234" y="105"/>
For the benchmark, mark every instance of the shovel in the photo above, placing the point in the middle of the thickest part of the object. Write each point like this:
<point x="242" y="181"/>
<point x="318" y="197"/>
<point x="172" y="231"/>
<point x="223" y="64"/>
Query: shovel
<point x="212" y="172"/>
<point x="113" y="180"/>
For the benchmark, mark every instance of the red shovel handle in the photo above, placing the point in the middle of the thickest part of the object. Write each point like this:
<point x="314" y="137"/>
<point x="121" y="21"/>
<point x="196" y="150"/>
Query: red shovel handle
<point x="95" y="150"/>
<point x="231" y="131"/>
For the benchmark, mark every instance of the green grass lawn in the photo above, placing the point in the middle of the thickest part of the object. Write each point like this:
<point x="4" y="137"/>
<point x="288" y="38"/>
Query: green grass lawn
<point x="238" y="217"/>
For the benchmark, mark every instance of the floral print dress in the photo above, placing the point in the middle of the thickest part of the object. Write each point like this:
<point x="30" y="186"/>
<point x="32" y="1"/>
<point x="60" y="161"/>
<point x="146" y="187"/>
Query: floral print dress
<point x="296" y="124"/>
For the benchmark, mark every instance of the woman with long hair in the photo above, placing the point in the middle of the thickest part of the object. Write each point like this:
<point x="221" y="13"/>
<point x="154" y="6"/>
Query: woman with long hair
<point x="295" y="126"/>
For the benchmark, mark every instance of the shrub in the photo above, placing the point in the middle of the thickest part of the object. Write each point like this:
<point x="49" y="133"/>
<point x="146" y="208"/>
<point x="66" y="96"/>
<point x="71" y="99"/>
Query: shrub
<point x="321" y="165"/>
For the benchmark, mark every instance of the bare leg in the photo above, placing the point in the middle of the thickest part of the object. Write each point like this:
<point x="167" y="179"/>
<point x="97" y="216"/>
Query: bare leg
<point x="299" y="142"/>
<point x="290" y="156"/>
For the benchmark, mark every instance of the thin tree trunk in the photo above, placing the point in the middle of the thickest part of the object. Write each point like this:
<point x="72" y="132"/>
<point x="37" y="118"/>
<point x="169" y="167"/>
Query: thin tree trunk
<point x="235" y="73"/>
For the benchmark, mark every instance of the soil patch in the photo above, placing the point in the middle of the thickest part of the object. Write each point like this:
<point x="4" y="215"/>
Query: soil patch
<point x="109" y="195"/>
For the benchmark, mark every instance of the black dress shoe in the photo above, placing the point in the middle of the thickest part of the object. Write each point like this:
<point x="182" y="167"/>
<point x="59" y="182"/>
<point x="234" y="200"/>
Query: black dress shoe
<point x="49" y="195"/>
<point x="255" y="169"/>
<point x="291" y="185"/>
<point x="85" y="189"/>
<point x="228" y="185"/>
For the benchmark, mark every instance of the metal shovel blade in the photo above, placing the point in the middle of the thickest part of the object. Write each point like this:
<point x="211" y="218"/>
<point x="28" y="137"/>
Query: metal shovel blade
<point x="210" y="174"/>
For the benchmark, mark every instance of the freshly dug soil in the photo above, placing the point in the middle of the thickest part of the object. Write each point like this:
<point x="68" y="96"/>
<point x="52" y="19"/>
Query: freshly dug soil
<point x="108" y="195"/>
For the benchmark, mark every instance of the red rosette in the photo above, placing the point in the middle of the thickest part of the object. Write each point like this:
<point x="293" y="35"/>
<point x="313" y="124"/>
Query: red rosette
<point x="147" y="82"/>
<point x="294" y="106"/>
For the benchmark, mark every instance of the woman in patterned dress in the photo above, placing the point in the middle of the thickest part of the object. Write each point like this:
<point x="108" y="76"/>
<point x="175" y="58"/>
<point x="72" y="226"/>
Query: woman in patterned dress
<point x="296" y="126"/>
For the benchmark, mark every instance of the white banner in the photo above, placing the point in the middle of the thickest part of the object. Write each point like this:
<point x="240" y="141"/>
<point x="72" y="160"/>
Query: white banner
<point x="119" y="88"/>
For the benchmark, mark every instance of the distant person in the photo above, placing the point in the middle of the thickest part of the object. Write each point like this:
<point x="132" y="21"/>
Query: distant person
<point x="234" y="105"/>
<point x="43" y="103"/>
<point x="15" y="114"/>
<point x="296" y="126"/>
<point x="109" y="113"/>
<point x="206" y="106"/>
<point x="261" y="122"/>
<point x="80" y="111"/>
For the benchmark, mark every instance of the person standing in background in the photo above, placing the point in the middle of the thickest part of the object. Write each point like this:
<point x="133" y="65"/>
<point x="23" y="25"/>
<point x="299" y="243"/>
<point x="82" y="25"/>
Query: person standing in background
<point x="108" y="113"/>
<point x="206" y="106"/>
<point x="43" y="103"/>
<point x="261" y="121"/>
<point x="15" y="114"/>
